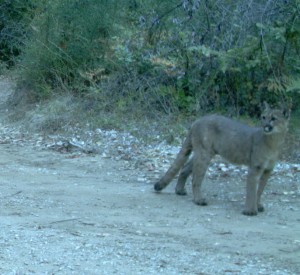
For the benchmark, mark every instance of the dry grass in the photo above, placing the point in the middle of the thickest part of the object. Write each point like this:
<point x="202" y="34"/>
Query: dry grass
<point x="66" y="111"/>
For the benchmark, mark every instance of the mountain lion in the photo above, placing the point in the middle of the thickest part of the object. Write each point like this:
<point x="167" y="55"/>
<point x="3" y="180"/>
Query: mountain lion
<point x="258" y="148"/>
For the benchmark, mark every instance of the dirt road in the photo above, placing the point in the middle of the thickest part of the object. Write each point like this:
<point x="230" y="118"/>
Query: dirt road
<point x="86" y="214"/>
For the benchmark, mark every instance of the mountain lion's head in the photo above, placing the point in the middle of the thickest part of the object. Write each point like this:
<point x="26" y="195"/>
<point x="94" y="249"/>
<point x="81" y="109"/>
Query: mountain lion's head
<point x="274" y="120"/>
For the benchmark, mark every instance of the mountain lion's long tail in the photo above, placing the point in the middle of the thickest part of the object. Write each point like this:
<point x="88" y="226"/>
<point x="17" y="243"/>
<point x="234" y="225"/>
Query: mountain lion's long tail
<point x="180" y="160"/>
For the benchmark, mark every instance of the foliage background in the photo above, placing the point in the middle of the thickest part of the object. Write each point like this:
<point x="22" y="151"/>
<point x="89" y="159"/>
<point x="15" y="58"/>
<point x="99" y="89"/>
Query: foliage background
<point x="174" y="57"/>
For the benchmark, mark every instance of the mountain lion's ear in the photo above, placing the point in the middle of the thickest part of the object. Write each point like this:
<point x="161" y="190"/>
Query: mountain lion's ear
<point x="286" y="112"/>
<point x="286" y="108"/>
<point x="266" y="106"/>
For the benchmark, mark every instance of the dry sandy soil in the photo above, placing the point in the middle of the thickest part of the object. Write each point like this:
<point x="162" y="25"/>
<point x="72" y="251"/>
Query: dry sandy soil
<point x="66" y="213"/>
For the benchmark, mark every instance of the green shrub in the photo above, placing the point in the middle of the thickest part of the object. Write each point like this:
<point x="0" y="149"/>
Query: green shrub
<point x="187" y="56"/>
<point x="71" y="39"/>
<point x="228" y="56"/>
<point x="15" y="18"/>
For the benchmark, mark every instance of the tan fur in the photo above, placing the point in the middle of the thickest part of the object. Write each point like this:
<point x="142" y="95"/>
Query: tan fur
<point x="258" y="148"/>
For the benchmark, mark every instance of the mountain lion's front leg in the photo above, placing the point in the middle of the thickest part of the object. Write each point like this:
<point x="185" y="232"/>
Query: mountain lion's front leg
<point x="251" y="191"/>
<point x="262" y="183"/>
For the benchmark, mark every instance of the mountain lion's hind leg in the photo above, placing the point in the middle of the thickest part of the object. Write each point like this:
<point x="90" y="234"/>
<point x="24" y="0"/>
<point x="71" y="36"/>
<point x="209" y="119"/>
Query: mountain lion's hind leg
<point x="201" y="161"/>
<point x="184" y="174"/>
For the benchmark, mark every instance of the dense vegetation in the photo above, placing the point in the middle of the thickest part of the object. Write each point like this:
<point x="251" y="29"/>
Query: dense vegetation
<point x="170" y="56"/>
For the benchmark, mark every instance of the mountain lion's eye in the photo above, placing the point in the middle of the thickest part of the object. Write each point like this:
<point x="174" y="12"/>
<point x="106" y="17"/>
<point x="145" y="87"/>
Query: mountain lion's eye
<point x="273" y="118"/>
<point x="263" y="117"/>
